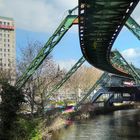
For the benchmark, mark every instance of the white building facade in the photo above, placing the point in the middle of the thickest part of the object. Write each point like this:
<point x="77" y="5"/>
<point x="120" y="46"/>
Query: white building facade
<point x="7" y="46"/>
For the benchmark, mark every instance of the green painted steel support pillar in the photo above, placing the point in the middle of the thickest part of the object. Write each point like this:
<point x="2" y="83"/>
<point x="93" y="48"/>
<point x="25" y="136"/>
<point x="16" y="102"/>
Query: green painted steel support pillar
<point x="66" y="77"/>
<point x="45" y="51"/>
<point x="99" y="81"/>
<point x="133" y="26"/>
<point x="56" y="37"/>
<point x="120" y="61"/>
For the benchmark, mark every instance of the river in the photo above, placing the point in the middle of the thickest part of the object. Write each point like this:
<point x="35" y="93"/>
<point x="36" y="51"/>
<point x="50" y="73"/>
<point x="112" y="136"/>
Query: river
<point x="119" y="125"/>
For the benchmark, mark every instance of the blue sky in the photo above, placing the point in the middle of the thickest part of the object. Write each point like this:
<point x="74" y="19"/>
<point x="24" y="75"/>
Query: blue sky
<point x="66" y="51"/>
<point x="37" y="20"/>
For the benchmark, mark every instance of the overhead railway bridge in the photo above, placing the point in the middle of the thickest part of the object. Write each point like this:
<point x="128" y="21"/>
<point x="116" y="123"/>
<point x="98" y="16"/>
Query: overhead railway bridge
<point x="100" y="22"/>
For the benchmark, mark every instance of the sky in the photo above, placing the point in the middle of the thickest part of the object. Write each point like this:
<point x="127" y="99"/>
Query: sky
<point x="36" y="20"/>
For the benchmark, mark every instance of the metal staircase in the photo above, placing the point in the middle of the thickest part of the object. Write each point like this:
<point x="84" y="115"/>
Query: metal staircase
<point x="100" y="92"/>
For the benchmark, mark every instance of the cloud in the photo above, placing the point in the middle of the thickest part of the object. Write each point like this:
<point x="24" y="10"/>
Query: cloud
<point x="66" y="64"/>
<point x="41" y="15"/>
<point x="132" y="55"/>
<point x="36" y="15"/>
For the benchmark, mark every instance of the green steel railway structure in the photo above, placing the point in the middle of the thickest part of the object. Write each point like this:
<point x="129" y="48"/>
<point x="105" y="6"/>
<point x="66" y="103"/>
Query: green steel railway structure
<point x="99" y="24"/>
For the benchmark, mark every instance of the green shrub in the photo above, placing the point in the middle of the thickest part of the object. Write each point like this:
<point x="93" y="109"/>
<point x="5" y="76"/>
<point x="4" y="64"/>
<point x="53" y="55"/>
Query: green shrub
<point x="26" y="129"/>
<point x="11" y="100"/>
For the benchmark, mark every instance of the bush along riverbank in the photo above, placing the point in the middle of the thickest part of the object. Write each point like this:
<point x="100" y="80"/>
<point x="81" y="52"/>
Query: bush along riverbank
<point x="39" y="128"/>
<point x="65" y="120"/>
<point x="36" y="128"/>
<point x="42" y="128"/>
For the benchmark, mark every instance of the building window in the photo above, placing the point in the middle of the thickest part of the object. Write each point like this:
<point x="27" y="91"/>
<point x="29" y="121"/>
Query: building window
<point x="8" y="50"/>
<point x="4" y="50"/>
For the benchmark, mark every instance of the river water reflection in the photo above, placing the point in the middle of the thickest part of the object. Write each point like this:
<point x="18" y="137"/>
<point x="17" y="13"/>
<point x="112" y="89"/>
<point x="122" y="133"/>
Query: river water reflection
<point x="119" y="125"/>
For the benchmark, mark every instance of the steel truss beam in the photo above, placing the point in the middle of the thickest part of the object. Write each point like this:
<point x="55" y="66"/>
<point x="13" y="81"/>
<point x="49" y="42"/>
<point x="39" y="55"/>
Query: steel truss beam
<point x="99" y="25"/>
<point x="48" y="47"/>
<point x="117" y="59"/>
<point x="99" y="81"/>
<point x="133" y="26"/>
<point x="66" y="77"/>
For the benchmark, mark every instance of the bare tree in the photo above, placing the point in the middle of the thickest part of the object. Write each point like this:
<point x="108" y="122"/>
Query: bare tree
<point x="41" y="81"/>
<point x="82" y="80"/>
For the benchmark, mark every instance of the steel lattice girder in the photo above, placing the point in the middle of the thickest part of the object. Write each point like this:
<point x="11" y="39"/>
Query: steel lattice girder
<point x="66" y="77"/>
<point x="116" y="58"/>
<point x="45" y="51"/>
<point x="118" y="61"/>
<point x="130" y="24"/>
<point x="133" y="26"/>
<point x="99" y="25"/>
<point x="99" y="81"/>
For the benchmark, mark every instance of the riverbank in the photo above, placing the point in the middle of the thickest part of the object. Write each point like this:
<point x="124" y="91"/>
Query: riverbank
<point x="122" y="124"/>
<point x="85" y="113"/>
<point x="62" y="121"/>
<point x="108" y="109"/>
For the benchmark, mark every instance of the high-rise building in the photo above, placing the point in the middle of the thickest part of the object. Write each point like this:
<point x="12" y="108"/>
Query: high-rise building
<point x="7" y="46"/>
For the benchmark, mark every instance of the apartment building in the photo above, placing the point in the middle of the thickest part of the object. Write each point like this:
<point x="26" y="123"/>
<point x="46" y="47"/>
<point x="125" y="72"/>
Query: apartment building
<point x="7" y="46"/>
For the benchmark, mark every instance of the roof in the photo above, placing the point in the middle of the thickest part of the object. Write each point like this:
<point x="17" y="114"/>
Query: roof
<point x="6" y="18"/>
